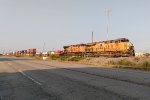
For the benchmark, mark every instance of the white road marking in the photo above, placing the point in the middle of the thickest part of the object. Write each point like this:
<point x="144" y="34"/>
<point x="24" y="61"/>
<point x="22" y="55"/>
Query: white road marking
<point x="1" y="98"/>
<point x="25" y="76"/>
<point x="29" y="77"/>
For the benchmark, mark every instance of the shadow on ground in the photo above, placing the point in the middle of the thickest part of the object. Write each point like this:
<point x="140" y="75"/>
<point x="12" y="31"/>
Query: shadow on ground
<point x="5" y="58"/>
<point x="51" y="84"/>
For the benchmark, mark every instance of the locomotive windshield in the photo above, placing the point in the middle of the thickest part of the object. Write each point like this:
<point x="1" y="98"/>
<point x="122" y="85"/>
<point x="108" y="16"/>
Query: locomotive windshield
<point x="122" y="40"/>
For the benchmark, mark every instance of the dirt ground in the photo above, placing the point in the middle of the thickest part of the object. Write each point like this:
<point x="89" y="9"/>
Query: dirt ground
<point x="106" y="60"/>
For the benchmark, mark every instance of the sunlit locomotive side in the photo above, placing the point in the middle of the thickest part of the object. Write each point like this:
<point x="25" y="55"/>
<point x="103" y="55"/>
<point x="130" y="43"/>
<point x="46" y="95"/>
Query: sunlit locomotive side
<point x="118" y="47"/>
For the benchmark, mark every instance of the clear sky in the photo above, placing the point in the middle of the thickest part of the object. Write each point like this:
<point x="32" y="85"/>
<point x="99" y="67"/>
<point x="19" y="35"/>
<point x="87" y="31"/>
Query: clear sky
<point x="55" y="23"/>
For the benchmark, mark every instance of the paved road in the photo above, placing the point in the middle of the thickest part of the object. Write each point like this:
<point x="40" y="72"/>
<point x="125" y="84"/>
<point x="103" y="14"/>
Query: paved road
<point x="22" y="79"/>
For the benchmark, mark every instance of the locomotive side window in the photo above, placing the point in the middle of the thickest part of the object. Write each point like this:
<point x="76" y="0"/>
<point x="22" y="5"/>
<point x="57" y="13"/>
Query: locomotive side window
<point x="125" y="40"/>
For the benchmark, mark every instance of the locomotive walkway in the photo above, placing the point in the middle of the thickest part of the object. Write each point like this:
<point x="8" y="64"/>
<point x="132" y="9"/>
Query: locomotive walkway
<point x="22" y="79"/>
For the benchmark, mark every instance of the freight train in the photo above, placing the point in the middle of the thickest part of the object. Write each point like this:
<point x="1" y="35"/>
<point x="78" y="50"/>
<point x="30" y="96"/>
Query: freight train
<point x="33" y="52"/>
<point x="114" y="48"/>
<point x="28" y="52"/>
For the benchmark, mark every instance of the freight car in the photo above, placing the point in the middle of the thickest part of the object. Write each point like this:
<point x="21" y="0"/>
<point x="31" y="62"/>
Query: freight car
<point x="31" y="52"/>
<point x="114" y="48"/>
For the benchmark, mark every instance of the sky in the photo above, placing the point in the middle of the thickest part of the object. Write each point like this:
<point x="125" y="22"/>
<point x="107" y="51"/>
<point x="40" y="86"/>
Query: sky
<point x="52" y="24"/>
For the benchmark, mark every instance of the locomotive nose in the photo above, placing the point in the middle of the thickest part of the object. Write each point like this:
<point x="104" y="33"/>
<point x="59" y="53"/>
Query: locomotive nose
<point x="130" y="45"/>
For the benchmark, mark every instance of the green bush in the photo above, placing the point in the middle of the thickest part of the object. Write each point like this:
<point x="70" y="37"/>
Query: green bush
<point x="64" y="58"/>
<point x="76" y="58"/>
<point x="125" y="62"/>
<point x="121" y="62"/>
<point x="67" y="58"/>
<point x="55" y="57"/>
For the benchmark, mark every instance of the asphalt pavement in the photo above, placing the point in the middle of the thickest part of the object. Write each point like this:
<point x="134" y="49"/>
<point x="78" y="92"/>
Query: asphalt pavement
<point x="26" y="79"/>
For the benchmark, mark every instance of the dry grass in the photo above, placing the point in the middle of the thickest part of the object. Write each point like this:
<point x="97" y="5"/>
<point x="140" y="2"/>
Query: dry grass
<point x="122" y="62"/>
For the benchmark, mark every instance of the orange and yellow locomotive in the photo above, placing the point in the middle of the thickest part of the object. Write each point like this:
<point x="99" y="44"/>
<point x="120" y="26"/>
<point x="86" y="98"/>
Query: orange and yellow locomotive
<point x="118" y="47"/>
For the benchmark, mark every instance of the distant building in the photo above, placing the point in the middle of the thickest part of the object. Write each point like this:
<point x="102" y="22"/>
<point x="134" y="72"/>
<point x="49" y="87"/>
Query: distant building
<point x="56" y="52"/>
<point x="44" y="54"/>
<point x="147" y="54"/>
<point x="139" y="54"/>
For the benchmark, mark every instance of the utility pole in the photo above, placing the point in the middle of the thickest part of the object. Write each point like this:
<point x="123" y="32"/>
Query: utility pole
<point x="3" y="52"/>
<point x="44" y="47"/>
<point x="108" y="17"/>
<point x="92" y="37"/>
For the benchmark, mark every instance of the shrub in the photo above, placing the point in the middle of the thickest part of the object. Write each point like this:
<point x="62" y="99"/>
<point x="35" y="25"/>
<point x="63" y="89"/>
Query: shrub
<point x="64" y="58"/>
<point x="111" y="62"/>
<point x="145" y="65"/>
<point x="18" y="56"/>
<point x="121" y="62"/>
<point x="125" y="62"/>
<point x="76" y="58"/>
<point x="55" y="57"/>
<point x="38" y="58"/>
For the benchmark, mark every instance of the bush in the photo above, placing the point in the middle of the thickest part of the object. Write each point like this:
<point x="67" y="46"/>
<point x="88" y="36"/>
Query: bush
<point x="64" y="58"/>
<point x="17" y="56"/>
<point x="121" y="62"/>
<point x="111" y="62"/>
<point x="76" y="58"/>
<point x="125" y="62"/>
<point x="37" y="58"/>
<point x="55" y="57"/>
<point x="145" y="65"/>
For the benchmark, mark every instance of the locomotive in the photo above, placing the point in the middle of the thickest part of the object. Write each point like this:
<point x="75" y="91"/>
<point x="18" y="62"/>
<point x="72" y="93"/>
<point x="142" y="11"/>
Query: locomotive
<point x="121" y="47"/>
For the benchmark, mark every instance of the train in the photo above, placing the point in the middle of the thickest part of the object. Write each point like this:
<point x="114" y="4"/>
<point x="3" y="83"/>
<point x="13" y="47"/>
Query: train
<point x="121" y="47"/>
<point x="28" y="52"/>
<point x="33" y="52"/>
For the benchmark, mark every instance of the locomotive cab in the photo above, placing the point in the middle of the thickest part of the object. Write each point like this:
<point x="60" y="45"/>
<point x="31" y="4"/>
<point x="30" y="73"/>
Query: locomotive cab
<point x="130" y="48"/>
<point x="126" y="47"/>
